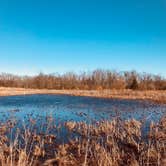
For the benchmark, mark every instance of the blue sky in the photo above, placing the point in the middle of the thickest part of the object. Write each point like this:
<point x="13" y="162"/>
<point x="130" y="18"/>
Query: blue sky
<point x="77" y="35"/>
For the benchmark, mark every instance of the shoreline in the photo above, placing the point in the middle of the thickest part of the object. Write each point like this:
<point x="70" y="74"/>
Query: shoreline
<point x="155" y="96"/>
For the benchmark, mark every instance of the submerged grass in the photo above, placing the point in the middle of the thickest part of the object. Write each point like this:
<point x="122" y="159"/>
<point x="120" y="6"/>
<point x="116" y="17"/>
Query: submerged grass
<point x="105" y="143"/>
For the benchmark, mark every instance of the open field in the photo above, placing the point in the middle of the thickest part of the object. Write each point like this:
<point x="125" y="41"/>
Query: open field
<point x="157" y="96"/>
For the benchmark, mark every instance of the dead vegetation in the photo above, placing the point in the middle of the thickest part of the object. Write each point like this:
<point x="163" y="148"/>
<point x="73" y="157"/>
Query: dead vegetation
<point x="95" y="80"/>
<point x="157" y="96"/>
<point x="105" y="143"/>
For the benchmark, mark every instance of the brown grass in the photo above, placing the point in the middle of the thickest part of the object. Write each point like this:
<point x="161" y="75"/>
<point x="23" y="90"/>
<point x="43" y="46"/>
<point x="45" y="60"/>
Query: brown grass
<point x="107" y="143"/>
<point x="157" y="96"/>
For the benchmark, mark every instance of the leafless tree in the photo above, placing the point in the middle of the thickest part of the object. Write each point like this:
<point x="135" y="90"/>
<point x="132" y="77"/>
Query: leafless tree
<point x="97" y="79"/>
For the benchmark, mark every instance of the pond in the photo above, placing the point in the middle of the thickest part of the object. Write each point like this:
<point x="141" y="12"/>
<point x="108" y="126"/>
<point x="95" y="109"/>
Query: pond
<point x="55" y="110"/>
<point x="73" y="108"/>
<point x="47" y="122"/>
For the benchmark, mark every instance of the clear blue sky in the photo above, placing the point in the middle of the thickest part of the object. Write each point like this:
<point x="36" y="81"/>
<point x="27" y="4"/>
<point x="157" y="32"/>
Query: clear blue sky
<point x="76" y="35"/>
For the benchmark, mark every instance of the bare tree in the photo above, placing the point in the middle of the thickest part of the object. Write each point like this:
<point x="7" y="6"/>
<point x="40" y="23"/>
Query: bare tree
<point x="98" y="79"/>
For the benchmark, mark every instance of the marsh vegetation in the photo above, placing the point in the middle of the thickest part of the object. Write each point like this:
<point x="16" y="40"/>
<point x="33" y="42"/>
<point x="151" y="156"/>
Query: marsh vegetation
<point x="105" y="143"/>
<point x="62" y="130"/>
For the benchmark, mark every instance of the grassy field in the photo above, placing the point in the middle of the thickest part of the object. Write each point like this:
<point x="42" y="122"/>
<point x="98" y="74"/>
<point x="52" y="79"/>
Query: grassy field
<point x="157" y="96"/>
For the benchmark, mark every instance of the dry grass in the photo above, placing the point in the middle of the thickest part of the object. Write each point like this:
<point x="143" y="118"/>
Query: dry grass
<point x="157" y="96"/>
<point x="106" y="143"/>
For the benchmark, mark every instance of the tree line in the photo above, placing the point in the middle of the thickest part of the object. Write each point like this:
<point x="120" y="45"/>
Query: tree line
<point x="95" y="80"/>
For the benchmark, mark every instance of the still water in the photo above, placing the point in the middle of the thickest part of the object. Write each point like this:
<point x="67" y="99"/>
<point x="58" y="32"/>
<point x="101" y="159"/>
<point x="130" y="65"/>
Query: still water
<point x="65" y="108"/>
